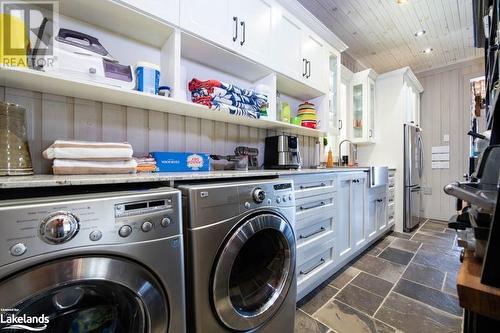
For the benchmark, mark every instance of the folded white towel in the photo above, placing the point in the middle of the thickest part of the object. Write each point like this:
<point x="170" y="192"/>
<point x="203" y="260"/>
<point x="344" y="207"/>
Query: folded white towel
<point x="78" y="167"/>
<point x="89" y="150"/>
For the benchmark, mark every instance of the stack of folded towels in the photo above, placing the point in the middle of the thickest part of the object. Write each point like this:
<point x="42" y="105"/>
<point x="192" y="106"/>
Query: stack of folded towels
<point x="86" y="157"/>
<point x="229" y="98"/>
<point x="145" y="164"/>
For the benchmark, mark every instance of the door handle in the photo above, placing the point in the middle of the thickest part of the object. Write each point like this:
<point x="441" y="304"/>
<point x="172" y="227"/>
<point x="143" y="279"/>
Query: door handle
<point x="307" y="271"/>
<point x="304" y="62"/>
<point x="308" y="69"/>
<point x="312" y="233"/>
<point x="322" y="203"/>
<point x="302" y="187"/>
<point x="244" y="31"/>
<point x="370" y="133"/>
<point x="235" y="36"/>
<point x="340" y="124"/>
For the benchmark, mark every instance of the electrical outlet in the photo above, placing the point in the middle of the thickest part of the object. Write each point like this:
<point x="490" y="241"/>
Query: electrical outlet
<point x="427" y="190"/>
<point x="446" y="138"/>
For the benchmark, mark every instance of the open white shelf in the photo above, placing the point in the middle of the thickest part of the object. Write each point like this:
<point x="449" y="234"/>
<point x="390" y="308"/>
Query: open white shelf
<point x="116" y="17"/>
<point x="29" y="79"/>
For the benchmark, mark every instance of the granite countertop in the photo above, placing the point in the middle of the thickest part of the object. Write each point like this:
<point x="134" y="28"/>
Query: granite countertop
<point x="52" y="180"/>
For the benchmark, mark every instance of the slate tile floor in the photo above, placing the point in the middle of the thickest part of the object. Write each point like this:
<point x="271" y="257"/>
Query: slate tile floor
<point x="403" y="283"/>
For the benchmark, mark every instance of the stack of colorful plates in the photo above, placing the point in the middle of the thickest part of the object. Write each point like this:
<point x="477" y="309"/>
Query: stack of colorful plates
<point x="307" y="115"/>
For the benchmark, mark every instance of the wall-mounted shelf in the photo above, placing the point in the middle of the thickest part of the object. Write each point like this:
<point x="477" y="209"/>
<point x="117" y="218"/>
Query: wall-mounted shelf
<point x="115" y="16"/>
<point x="29" y="79"/>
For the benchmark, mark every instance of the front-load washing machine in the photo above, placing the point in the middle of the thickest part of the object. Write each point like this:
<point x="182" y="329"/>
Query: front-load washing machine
<point x="240" y="256"/>
<point x="102" y="262"/>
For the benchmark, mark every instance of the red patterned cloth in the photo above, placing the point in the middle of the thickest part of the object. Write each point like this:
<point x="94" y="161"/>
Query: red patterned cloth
<point x="195" y="84"/>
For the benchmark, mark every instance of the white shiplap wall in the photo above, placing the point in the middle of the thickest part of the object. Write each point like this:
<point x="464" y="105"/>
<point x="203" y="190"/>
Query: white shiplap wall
<point x="52" y="117"/>
<point x="445" y="110"/>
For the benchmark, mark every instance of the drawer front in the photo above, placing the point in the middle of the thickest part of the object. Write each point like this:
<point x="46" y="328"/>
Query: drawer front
<point x="391" y="182"/>
<point x="390" y="194"/>
<point x="310" y="249"/>
<point x="311" y="207"/>
<point x="313" y="266"/>
<point x="310" y="232"/>
<point x="327" y="213"/>
<point x="390" y="211"/>
<point x="312" y="185"/>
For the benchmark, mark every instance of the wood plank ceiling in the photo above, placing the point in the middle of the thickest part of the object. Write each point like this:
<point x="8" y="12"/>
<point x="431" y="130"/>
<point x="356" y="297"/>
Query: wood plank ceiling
<point x="381" y="33"/>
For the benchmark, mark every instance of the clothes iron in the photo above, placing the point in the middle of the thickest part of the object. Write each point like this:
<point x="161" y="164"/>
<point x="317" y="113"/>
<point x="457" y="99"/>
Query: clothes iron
<point x="83" y="57"/>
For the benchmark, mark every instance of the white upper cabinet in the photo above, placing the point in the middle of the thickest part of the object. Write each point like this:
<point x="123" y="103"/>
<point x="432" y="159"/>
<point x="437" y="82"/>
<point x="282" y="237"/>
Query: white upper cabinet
<point x="363" y="107"/>
<point x="411" y="103"/>
<point x="167" y="10"/>
<point x="264" y="32"/>
<point x="287" y="44"/>
<point x="241" y="26"/>
<point x="212" y="21"/>
<point x="315" y="59"/>
<point x="255" y="28"/>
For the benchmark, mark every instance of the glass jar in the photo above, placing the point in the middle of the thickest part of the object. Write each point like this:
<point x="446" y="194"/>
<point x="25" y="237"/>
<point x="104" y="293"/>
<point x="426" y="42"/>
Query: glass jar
<point x="15" y="159"/>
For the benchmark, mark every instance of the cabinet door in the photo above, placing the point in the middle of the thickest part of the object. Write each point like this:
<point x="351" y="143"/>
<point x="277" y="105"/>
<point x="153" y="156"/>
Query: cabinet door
<point x="317" y="57"/>
<point x="358" y="212"/>
<point x="167" y="10"/>
<point x="371" y="219"/>
<point x="382" y="214"/>
<point x="287" y="44"/>
<point x="371" y="109"/>
<point x="255" y="28"/>
<point x="358" y="112"/>
<point x="344" y="245"/>
<point x="333" y="95"/>
<point x="212" y="20"/>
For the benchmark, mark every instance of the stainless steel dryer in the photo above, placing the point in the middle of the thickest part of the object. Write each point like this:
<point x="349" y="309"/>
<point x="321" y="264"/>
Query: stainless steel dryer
<point x="240" y="251"/>
<point x="108" y="262"/>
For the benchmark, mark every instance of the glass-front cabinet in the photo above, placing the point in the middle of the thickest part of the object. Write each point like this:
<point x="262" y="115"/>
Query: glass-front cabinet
<point x="333" y="95"/>
<point x="363" y="107"/>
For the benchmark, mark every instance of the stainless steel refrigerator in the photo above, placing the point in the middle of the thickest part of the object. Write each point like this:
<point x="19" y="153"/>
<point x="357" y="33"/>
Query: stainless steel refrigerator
<point x="413" y="168"/>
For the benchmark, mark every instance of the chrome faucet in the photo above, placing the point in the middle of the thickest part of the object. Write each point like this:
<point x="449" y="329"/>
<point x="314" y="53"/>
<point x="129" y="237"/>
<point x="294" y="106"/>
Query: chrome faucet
<point x="351" y="151"/>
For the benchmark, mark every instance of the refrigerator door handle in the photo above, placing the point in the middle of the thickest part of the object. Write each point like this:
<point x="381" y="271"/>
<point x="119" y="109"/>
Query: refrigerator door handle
<point x="420" y="157"/>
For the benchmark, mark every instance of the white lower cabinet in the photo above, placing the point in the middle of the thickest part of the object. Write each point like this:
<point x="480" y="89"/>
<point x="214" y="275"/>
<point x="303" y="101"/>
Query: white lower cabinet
<point x="337" y="217"/>
<point x="352" y="204"/>
<point x="377" y="211"/>
<point x="315" y="229"/>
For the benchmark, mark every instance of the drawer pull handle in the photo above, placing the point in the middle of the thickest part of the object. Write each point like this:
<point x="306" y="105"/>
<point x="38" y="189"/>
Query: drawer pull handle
<point x="322" y="203"/>
<point x="302" y="187"/>
<point x="312" y="233"/>
<point x="307" y="271"/>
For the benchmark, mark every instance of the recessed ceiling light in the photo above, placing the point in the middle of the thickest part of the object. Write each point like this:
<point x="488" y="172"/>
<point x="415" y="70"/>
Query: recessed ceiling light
<point x="401" y="2"/>
<point x="427" y="50"/>
<point x="420" y="33"/>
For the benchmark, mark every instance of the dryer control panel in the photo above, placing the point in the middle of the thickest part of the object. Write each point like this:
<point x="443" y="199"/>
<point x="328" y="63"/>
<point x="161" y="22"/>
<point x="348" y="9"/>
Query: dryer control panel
<point x="36" y="226"/>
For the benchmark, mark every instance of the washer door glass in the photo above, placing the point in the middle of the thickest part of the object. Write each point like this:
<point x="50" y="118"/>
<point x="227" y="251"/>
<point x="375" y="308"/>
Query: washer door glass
<point x="86" y="295"/>
<point x="254" y="271"/>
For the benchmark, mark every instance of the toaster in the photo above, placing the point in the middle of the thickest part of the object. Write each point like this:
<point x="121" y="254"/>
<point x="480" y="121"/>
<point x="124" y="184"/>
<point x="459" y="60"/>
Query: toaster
<point x="282" y="152"/>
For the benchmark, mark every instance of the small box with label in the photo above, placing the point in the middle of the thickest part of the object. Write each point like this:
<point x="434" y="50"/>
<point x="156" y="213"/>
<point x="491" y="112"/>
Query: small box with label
<point x="181" y="162"/>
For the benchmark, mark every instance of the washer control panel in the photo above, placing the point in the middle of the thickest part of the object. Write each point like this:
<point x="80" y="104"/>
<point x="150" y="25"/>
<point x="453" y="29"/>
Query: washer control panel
<point x="276" y="193"/>
<point x="41" y="225"/>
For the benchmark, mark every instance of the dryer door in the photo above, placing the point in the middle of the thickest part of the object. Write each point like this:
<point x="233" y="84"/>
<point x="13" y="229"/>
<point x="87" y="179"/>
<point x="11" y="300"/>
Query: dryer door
<point x="254" y="271"/>
<point x="89" y="294"/>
